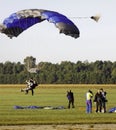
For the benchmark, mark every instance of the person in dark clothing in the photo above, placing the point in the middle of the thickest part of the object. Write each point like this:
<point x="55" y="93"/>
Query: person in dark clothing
<point x="98" y="100"/>
<point x="70" y="97"/>
<point x="104" y="100"/>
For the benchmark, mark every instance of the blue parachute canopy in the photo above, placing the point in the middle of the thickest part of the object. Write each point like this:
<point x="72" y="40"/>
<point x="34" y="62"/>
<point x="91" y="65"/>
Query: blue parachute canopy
<point x="18" y="22"/>
<point x="112" y="110"/>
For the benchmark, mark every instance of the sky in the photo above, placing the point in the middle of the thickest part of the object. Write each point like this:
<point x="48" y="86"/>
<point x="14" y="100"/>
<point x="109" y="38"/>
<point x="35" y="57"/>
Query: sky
<point x="97" y="40"/>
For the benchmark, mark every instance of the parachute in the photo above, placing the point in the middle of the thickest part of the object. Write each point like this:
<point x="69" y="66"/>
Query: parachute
<point x="20" y="21"/>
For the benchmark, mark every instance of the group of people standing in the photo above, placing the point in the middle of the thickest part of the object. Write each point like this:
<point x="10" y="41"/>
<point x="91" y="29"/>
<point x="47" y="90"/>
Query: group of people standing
<point x="99" y="99"/>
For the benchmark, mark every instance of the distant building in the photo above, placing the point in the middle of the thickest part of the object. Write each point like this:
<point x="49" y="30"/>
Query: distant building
<point x="33" y="70"/>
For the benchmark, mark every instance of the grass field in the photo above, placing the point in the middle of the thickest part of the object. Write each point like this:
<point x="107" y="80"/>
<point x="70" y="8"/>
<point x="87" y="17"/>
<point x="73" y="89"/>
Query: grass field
<point x="52" y="95"/>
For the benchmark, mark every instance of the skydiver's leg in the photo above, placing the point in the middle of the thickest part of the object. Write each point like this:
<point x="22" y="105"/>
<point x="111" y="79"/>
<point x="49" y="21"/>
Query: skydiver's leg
<point x="32" y="92"/>
<point x="25" y="90"/>
<point x="22" y="90"/>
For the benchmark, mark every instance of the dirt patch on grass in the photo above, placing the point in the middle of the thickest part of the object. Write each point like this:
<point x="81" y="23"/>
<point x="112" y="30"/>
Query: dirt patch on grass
<point x="61" y="127"/>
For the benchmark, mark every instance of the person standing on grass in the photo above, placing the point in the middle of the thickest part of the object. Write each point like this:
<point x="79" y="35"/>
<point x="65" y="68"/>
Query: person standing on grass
<point x="89" y="96"/>
<point x="31" y="84"/>
<point x="104" y="100"/>
<point x="98" y="99"/>
<point x="70" y="97"/>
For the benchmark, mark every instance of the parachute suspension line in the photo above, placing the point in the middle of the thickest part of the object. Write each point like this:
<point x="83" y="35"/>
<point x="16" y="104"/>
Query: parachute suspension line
<point x="79" y="17"/>
<point x="95" y="18"/>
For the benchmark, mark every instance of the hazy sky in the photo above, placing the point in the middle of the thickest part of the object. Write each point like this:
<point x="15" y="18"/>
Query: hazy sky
<point x="97" y="41"/>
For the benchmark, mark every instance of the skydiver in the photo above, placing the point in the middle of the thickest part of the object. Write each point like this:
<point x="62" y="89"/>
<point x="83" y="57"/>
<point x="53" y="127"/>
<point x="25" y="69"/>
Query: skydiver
<point x="31" y="84"/>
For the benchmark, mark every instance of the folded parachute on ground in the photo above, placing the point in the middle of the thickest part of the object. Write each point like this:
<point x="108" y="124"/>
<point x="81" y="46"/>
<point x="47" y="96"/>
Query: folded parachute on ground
<point x="18" y="22"/>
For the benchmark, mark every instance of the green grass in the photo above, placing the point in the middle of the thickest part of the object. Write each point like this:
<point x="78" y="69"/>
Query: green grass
<point x="52" y="95"/>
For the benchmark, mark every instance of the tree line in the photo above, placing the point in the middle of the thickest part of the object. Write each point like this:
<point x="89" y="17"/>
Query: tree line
<point x="66" y="72"/>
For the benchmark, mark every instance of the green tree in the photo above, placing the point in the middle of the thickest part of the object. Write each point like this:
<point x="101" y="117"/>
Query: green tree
<point x="30" y="62"/>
